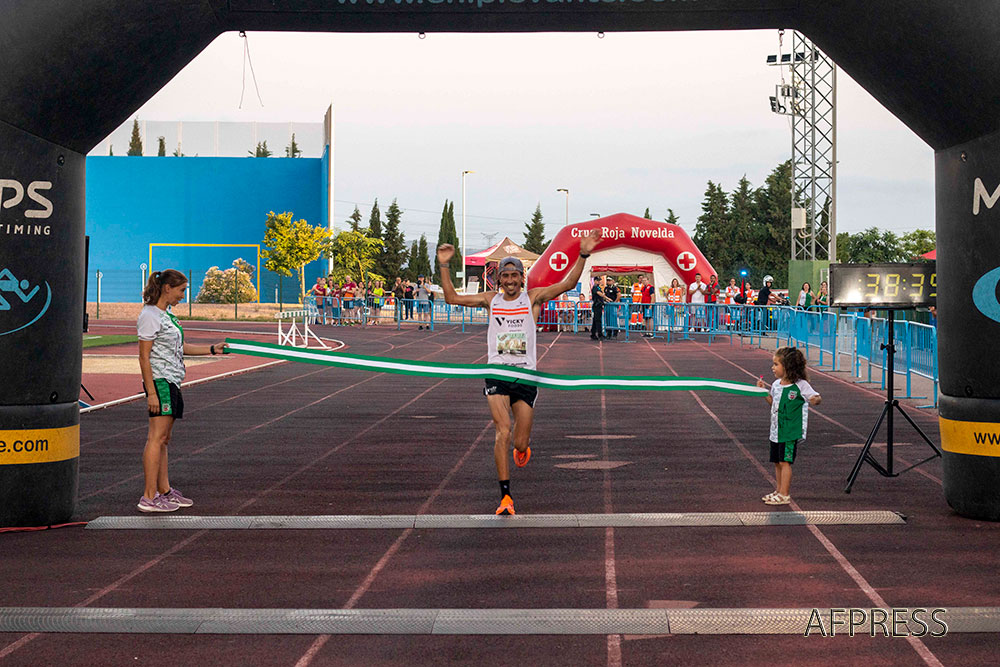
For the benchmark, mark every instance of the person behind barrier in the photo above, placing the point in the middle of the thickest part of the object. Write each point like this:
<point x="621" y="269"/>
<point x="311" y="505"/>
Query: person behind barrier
<point x="597" y="299"/>
<point x="732" y="291"/>
<point x="319" y="292"/>
<point x="161" y="362"/>
<point x="696" y="292"/>
<point x="806" y="297"/>
<point x="646" y="298"/>
<point x="376" y="299"/>
<point x="348" y="291"/>
<point x="423" y="297"/>
<point x="510" y="339"/>
<point x="790" y="397"/>
<point x="408" y="298"/>
<point x="764" y="296"/>
<point x="712" y="298"/>
<point x="612" y="294"/>
<point x="823" y="295"/>
<point x="398" y="294"/>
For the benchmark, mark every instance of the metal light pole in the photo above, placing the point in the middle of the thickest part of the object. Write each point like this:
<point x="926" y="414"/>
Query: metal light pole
<point x="566" y="190"/>
<point x="465" y="280"/>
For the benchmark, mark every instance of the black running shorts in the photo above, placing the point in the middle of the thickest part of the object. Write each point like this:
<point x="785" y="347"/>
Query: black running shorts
<point x="517" y="391"/>
<point x="171" y="401"/>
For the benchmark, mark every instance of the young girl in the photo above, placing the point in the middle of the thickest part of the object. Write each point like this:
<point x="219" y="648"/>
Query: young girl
<point x="161" y="361"/>
<point x="788" y="399"/>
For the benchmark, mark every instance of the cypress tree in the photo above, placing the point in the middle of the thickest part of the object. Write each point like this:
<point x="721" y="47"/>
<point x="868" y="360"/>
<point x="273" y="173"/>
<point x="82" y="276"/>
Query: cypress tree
<point x="447" y="234"/>
<point x="672" y="217"/>
<point x="354" y="220"/>
<point x="423" y="263"/>
<point x="135" y="143"/>
<point x="534" y="235"/>
<point x="161" y="150"/>
<point x="394" y="250"/>
<point x="292" y="149"/>
<point x="411" y="265"/>
<point x="375" y="222"/>
<point x="647" y="215"/>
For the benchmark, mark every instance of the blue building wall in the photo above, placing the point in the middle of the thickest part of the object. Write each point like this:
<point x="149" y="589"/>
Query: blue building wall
<point x="135" y="201"/>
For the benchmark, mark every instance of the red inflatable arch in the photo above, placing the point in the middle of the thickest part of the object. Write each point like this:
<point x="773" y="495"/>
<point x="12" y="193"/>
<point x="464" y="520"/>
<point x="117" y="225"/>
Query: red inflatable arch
<point x="620" y="230"/>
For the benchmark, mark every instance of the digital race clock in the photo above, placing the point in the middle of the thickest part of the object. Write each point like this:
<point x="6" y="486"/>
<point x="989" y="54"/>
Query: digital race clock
<point x="883" y="285"/>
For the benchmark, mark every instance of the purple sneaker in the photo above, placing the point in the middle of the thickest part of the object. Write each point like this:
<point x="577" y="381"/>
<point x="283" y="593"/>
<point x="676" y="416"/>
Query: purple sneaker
<point x="174" y="496"/>
<point x="159" y="503"/>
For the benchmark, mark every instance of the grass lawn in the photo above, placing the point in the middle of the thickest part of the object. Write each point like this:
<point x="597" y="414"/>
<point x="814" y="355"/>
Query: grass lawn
<point x="91" y="340"/>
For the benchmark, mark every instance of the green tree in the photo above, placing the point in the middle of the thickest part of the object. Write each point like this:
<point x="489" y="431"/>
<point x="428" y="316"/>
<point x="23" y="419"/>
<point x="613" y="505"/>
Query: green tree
<point x="447" y="234"/>
<point x="161" y="149"/>
<point x="135" y="143"/>
<point x="412" y="257"/>
<point x="746" y="233"/>
<point x="261" y="150"/>
<point x="647" y="215"/>
<point x="355" y="220"/>
<point x="534" y="234"/>
<point x="672" y="217"/>
<point x="355" y="254"/>
<point x="177" y="152"/>
<point x="871" y="245"/>
<point x="420" y="263"/>
<point x="292" y="149"/>
<point x="223" y="286"/>
<point x="917" y="242"/>
<point x="773" y="204"/>
<point x="713" y="233"/>
<point x="289" y="245"/>
<point x="375" y="222"/>
<point x="111" y="150"/>
<point x="394" y="253"/>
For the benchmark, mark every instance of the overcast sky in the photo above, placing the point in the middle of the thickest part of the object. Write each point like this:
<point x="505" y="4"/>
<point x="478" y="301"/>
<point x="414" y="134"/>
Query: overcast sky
<point x="630" y="121"/>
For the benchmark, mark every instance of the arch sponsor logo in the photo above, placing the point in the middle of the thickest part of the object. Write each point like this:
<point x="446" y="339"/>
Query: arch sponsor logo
<point x="984" y="294"/>
<point x="26" y="205"/>
<point x="21" y="303"/>
<point x="980" y="195"/>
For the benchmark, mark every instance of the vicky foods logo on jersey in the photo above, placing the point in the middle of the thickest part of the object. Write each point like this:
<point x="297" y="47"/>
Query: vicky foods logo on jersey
<point x="21" y="302"/>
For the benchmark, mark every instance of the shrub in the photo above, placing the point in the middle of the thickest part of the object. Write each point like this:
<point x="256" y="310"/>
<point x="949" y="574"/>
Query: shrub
<point x="218" y="286"/>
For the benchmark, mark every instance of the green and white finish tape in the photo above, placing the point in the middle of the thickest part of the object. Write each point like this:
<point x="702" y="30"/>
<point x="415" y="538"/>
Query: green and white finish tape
<point x="492" y="371"/>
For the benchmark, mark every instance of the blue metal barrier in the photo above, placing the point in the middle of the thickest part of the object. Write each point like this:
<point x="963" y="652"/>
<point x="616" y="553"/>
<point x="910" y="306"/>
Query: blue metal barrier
<point x="828" y="333"/>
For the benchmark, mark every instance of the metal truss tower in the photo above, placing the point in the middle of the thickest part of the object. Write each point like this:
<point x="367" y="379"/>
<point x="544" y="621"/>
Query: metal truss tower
<point x="810" y="98"/>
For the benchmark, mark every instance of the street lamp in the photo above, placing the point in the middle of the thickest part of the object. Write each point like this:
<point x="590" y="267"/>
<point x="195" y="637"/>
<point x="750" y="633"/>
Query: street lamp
<point x="566" y="190"/>
<point x="465" y="280"/>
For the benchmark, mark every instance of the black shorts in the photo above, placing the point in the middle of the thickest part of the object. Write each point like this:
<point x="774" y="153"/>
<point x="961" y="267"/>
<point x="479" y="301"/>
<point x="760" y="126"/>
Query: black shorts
<point x="171" y="401"/>
<point x="784" y="452"/>
<point x="517" y="391"/>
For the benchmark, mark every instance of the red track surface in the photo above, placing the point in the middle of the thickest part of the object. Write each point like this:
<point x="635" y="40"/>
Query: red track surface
<point x="301" y="439"/>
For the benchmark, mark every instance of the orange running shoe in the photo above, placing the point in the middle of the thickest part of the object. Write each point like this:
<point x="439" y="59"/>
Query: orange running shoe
<point x="521" y="458"/>
<point x="506" y="506"/>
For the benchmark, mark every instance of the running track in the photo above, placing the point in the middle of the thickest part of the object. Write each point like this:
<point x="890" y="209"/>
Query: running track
<point x="304" y="440"/>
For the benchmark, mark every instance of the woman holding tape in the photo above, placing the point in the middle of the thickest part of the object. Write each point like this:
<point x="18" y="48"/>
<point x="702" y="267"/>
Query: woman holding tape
<point x="161" y="361"/>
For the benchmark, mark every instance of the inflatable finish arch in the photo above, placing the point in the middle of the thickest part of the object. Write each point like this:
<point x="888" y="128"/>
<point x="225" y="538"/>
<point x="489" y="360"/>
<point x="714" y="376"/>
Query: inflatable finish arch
<point x="621" y="229"/>
<point x="72" y="71"/>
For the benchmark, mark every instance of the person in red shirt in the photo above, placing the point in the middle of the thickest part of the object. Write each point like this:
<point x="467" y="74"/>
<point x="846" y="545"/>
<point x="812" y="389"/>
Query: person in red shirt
<point x="319" y="291"/>
<point x="646" y="298"/>
<point x="712" y="297"/>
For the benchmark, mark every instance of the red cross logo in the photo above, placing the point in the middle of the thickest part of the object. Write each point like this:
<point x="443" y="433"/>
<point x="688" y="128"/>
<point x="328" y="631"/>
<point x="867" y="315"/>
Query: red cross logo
<point x="686" y="260"/>
<point x="558" y="261"/>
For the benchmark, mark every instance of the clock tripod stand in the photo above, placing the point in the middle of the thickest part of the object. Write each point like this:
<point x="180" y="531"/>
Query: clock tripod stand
<point x="891" y="405"/>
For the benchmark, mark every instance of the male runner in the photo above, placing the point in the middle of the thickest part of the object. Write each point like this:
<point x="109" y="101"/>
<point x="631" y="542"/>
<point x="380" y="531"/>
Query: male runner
<point x="511" y="341"/>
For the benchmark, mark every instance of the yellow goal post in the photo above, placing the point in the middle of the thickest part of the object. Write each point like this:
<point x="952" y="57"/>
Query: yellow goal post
<point x="209" y="245"/>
